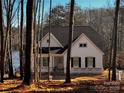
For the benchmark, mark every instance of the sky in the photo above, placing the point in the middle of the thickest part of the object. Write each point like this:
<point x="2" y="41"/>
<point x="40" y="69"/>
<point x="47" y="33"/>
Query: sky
<point x="83" y="3"/>
<point x="90" y="4"/>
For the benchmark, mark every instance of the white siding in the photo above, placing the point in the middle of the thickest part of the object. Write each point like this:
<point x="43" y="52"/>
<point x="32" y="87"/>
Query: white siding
<point x="53" y="41"/>
<point x="90" y="50"/>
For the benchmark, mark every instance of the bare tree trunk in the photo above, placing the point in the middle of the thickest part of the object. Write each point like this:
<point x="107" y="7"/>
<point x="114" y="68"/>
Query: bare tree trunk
<point x="110" y="55"/>
<point x="8" y="4"/>
<point x="7" y="31"/>
<point x="41" y="36"/>
<point x="110" y="58"/>
<point x="49" y="40"/>
<point x="11" y="75"/>
<point x="115" y="40"/>
<point x="28" y="51"/>
<point x="2" y="40"/>
<point x="35" y="39"/>
<point x="21" y="40"/>
<point x="68" y="79"/>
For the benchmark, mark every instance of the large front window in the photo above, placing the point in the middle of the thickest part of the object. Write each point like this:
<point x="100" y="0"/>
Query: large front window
<point x="90" y="62"/>
<point x="75" y="62"/>
<point x="45" y="61"/>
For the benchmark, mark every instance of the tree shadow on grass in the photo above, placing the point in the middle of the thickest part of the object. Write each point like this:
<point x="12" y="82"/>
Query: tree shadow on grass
<point x="75" y="88"/>
<point x="12" y="88"/>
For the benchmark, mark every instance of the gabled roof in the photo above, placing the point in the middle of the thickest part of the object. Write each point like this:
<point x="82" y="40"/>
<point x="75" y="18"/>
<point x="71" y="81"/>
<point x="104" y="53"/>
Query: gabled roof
<point x="62" y="33"/>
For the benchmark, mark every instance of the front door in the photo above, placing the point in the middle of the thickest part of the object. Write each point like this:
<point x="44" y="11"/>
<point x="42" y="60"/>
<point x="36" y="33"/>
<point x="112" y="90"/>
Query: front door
<point x="58" y="64"/>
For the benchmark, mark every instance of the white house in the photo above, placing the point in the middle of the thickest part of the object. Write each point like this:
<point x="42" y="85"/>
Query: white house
<point x="87" y="50"/>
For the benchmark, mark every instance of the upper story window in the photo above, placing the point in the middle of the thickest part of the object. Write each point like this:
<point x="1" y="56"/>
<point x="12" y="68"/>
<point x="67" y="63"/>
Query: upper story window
<point x="82" y="44"/>
<point x="47" y="40"/>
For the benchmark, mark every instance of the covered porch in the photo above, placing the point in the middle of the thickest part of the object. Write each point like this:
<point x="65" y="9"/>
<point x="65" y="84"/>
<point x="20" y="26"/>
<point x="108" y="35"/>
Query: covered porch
<point x="56" y="63"/>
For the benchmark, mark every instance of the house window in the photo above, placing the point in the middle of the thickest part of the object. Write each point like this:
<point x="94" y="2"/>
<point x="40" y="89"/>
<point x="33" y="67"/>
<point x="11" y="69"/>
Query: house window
<point x="47" y="40"/>
<point x="45" y="61"/>
<point x="82" y="45"/>
<point x="75" y="62"/>
<point x="90" y="62"/>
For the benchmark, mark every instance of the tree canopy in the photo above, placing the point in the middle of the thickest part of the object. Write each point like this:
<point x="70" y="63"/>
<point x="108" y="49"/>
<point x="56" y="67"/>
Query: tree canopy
<point x="60" y="16"/>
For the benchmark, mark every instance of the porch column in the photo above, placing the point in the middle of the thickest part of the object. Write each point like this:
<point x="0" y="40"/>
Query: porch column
<point x="51" y="62"/>
<point x="64" y="63"/>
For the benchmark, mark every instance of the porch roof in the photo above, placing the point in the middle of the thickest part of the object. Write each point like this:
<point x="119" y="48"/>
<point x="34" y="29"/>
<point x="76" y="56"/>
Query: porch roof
<point x="53" y="50"/>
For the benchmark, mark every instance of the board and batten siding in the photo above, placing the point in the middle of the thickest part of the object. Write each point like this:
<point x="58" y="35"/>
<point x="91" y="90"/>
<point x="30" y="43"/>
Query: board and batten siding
<point x="90" y="51"/>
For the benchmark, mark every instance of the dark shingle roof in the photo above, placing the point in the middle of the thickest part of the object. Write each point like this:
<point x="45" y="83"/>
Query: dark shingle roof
<point x="62" y="33"/>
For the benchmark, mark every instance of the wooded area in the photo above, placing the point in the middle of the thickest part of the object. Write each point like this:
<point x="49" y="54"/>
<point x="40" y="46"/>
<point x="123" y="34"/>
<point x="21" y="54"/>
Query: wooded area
<point x="22" y="25"/>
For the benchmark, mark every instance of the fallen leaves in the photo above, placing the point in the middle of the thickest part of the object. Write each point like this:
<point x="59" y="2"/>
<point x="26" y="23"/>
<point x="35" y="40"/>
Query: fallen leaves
<point x="43" y="85"/>
<point x="16" y="86"/>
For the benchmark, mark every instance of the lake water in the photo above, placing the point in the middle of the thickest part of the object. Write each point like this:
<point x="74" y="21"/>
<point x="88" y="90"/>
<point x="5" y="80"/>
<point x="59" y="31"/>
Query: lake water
<point x="15" y="60"/>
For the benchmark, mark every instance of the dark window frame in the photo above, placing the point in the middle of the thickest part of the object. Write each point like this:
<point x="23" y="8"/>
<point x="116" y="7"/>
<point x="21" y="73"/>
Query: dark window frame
<point x="79" y="62"/>
<point x="47" y="40"/>
<point x="82" y="45"/>
<point x="93" y="62"/>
